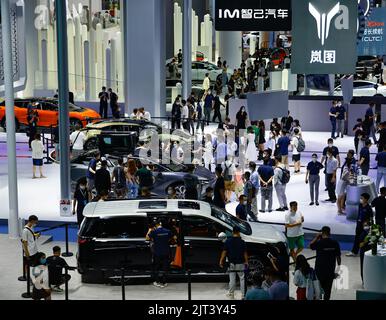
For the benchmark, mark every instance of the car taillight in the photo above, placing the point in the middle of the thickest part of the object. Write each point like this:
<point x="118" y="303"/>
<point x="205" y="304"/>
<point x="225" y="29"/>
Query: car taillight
<point x="82" y="240"/>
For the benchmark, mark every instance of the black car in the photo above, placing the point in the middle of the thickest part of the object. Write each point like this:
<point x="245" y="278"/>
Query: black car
<point x="165" y="175"/>
<point x="112" y="237"/>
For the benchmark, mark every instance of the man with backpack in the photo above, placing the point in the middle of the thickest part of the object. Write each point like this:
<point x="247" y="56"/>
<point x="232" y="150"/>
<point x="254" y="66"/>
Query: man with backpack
<point x="281" y="178"/>
<point x="298" y="146"/>
<point x="191" y="184"/>
<point x="250" y="194"/>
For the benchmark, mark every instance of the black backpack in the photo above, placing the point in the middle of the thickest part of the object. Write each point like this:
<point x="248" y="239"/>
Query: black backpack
<point x="227" y="175"/>
<point x="285" y="177"/>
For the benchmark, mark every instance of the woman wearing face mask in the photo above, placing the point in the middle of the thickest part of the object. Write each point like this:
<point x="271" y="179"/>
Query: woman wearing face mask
<point x="344" y="181"/>
<point x="81" y="198"/>
<point x="41" y="288"/>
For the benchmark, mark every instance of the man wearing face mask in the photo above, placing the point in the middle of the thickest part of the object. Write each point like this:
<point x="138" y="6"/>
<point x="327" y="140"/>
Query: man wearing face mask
<point x="335" y="153"/>
<point x="331" y="168"/>
<point x="40" y="279"/>
<point x="29" y="241"/>
<point x="333" y="117"/>
<point x="176" y="114"/>
<point x="208" y="106"/>
<point x="313" y="178"/>
<point x="341" y="119"/>
<point x="216" y="107"/>
<point x="365" y="213"/>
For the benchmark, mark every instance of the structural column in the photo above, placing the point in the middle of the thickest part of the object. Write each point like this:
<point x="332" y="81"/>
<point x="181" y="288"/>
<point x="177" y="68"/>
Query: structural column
<point x="145" y="55"/>
<point x="13" y="226"/>
<point x="230" y="48"/>
<point x="187" y="49"/>
<point x="64" y="121"/>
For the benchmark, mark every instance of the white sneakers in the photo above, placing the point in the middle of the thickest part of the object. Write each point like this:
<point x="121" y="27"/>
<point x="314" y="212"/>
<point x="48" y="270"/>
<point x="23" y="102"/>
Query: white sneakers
<point x="230" y="295"/>
<point x="351" y="254"/>
<point x="160" y="285"/>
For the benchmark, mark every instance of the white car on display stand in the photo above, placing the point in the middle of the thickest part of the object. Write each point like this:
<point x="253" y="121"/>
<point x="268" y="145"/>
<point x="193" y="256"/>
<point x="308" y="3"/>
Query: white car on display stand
<point x="201" y="68"/>
<point x="362" y="88"/>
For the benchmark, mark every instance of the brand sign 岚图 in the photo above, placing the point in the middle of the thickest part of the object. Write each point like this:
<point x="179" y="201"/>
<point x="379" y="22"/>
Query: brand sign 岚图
<point x="324" y="34"/>
<point x="373" y="42"/>
<point x="253" y="15"/>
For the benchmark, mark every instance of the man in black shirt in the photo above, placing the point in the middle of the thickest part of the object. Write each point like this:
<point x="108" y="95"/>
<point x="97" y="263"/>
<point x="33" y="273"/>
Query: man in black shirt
<point x="160" y="238"/>
<point x="219" y="189"/>
<point x="102" y="178"/>
<point x="365" y="213"/>
<point x="191" y="184"/>
<point x="358" y="131"/>
<point x="382" y="137"/>
<point x="379" y="204"/>
<point x="103" y="102"/>
<point x="114" y="103"/>
<point x="179" y="56"/>
<point x="55" y="270"/>
<point x="236" y="250"/>
<point x="216" y="107"/>
<point x="327" y="255"/>
<point x="364" y="158"/>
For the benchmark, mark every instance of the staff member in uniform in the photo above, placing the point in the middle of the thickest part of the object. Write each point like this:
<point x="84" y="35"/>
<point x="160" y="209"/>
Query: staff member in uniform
<point x="236" y="250"/>
<point x="365" y="213"/>
<point x="160" y="238"/>
<point x="327" y="255"/>
<point x="313" y="178"/>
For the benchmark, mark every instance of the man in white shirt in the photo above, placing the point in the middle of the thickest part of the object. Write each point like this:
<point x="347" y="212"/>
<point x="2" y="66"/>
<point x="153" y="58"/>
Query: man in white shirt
<point x="145" y="114"/>
<point x="295" y="234"/>
<point x="77" y="139"/>
<point x="40" y="279"/>
<point x="185" y="115"/>
<point x="206" y="83"/>
<point x="295" y="153"/>
<point x="177" y="154"/>
<point x="29" y="242"/>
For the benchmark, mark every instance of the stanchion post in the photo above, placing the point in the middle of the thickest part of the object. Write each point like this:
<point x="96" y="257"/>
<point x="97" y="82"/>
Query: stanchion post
<point x="28" y="295"/>
<point x="24" y="276"/>
<point x="67" y="253"/>
<point x="189" y="285"/>
<point x="123" y="284"/>
<point x="66" y="282"/>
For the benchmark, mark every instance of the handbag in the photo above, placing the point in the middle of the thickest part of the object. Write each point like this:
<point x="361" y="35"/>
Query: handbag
<point x="313" y="288"/>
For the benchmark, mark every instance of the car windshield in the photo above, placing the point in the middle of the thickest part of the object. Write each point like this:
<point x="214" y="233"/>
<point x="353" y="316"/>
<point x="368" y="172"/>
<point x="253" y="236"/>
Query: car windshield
<point x="175" y="167"/>
<point x="232" y="221"/>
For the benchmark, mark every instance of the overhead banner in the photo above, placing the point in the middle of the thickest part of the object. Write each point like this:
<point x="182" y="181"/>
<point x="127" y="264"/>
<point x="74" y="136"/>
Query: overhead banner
<point x="253" y="15"/>
<point x="324" y="36"/>
<point x="373" y="42"/>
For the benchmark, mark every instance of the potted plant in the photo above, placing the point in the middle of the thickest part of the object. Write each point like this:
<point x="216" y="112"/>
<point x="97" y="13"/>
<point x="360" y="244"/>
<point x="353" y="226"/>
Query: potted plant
<point x="373" y="238"/>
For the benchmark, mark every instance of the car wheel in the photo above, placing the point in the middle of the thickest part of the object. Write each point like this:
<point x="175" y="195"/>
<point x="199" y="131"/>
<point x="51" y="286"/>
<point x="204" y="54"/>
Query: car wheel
<point x="91" y="144"/>
<point x="4" y="124"/>
<point x="180" y="191"/>
<point x="255" y="265"/>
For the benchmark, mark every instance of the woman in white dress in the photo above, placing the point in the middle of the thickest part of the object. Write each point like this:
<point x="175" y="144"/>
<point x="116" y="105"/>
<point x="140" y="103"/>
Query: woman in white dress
<point x="208" y="151"/>
<point x="251" y="153"/>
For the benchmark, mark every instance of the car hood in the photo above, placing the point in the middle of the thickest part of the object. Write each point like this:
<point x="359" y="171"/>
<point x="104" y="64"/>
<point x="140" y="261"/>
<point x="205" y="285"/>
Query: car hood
<point x="263" y="233"/>
<point x="204" y="173"/>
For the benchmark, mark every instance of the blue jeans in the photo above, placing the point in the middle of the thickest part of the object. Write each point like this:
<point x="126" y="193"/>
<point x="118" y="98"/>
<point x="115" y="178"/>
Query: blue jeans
<point x="381" y="172"/>
<point x="333" y="128"/>
<point x="132" y="190"/>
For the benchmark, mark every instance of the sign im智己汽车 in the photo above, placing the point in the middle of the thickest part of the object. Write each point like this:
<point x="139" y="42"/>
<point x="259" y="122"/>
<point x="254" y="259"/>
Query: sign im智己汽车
<point x="252" y="15"/>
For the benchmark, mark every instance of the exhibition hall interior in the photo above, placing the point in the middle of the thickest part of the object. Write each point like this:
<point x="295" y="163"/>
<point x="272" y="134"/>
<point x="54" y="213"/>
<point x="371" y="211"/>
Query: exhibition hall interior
<point x="193" y="150"/>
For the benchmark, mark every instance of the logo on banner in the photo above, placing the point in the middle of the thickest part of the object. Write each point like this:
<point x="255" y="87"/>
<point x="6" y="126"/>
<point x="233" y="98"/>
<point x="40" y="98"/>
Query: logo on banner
<point x="323" y="20"/>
